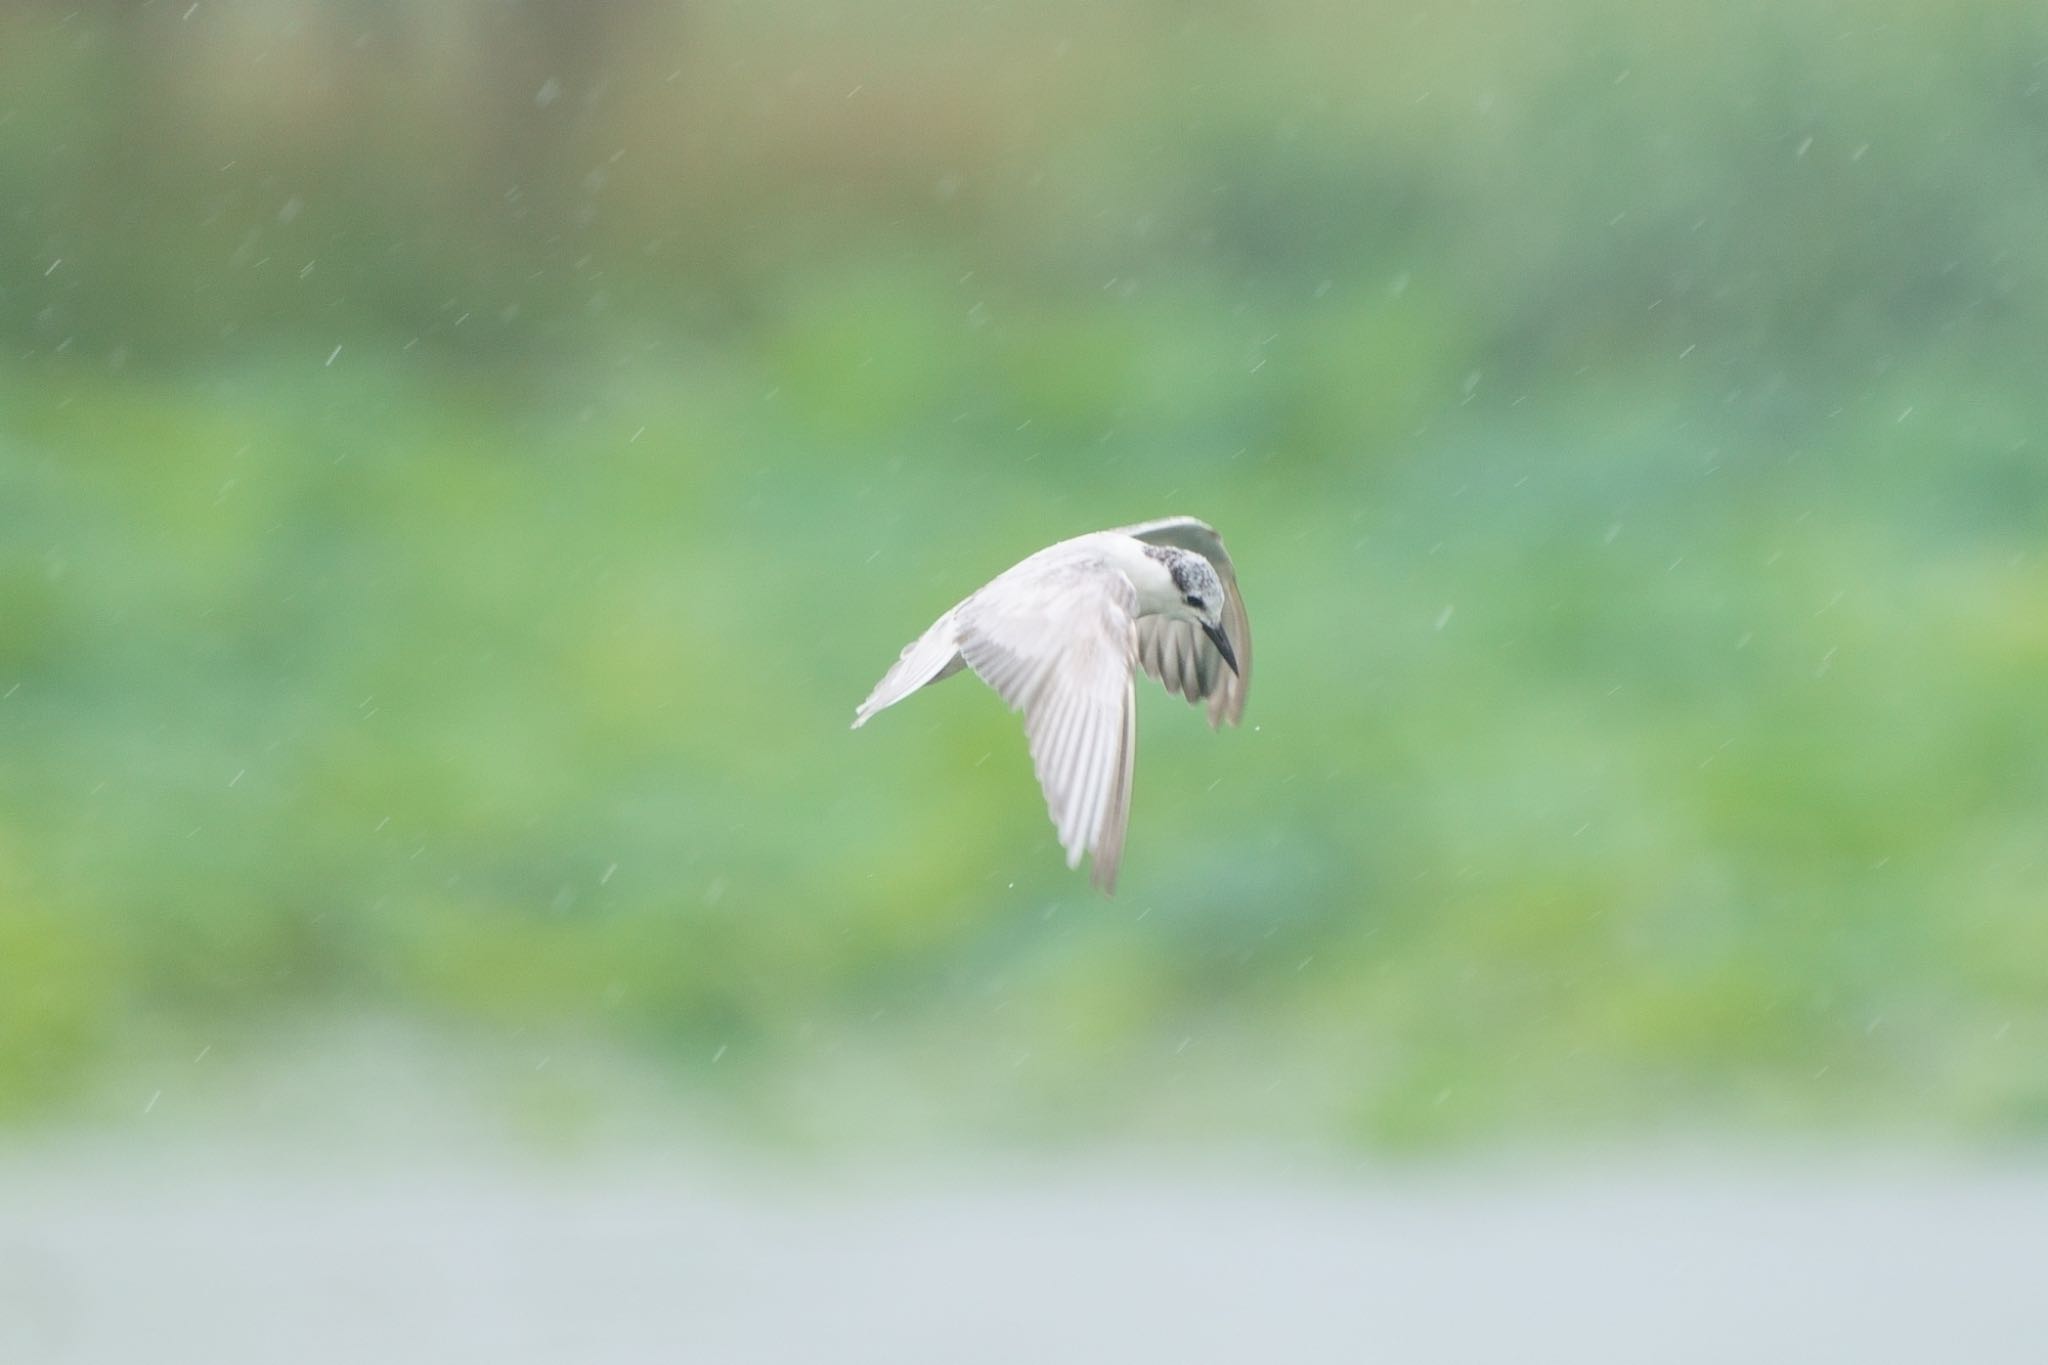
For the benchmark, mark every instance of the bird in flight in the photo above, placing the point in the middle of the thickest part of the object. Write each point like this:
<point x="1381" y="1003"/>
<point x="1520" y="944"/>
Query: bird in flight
<point x="1058" y="637"/>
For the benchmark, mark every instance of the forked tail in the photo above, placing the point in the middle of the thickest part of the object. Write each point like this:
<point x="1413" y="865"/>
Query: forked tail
<point x="932" y="656"/>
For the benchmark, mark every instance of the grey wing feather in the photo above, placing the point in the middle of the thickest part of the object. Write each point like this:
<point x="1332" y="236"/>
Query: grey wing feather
<point x="1177" y="653"/>
<point x="1109" y="853"/>
<point x="1056" y="640"/>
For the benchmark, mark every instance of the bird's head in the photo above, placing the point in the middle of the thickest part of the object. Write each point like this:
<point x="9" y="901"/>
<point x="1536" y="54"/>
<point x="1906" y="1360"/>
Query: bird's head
<point x="1201" y="600"/>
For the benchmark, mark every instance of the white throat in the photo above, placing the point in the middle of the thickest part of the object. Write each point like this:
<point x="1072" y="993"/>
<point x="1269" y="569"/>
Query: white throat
<point x="1157" y="595"/>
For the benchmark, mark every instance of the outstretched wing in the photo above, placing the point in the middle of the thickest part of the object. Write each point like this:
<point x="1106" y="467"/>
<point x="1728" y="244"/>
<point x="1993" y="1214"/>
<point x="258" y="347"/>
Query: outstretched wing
<point x="1055" y="638"/>
<point x="1176" y="652"/>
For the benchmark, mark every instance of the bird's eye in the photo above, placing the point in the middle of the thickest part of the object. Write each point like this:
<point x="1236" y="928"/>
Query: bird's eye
<point x="1196" y="602"/>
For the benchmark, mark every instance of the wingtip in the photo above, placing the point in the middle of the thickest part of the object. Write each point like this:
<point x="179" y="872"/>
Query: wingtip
<point x="1102" y="870"/>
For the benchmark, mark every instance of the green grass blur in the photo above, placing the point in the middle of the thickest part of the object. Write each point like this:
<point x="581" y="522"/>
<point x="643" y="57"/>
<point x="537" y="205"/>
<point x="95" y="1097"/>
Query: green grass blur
<point x="461" y="464"/>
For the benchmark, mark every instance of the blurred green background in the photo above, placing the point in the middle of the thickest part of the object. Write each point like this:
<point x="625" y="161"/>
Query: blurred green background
<point x="462" y="462"/>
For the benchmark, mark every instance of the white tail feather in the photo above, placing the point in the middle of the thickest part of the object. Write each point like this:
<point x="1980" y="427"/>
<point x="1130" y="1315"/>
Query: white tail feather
<point x="927" y="659"/>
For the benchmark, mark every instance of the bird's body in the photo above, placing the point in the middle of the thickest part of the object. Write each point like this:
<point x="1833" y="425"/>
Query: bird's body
<point x="1059" y="636"/>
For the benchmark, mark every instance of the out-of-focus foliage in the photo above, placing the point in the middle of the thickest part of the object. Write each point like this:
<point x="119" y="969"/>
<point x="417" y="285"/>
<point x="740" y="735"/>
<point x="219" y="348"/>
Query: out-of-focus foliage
<point x="460" y="464"/>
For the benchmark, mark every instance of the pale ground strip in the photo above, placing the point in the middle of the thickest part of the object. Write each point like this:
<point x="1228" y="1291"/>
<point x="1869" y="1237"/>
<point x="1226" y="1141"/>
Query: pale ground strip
<point x="112" y="1252"/>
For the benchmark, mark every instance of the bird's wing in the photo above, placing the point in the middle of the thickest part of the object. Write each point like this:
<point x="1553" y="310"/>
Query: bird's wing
<point x="1176" y="652"/>
<point x="1055" y="638"/>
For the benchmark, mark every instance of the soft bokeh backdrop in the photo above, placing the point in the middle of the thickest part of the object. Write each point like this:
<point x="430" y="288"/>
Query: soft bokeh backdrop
<point x="461" y="463"/>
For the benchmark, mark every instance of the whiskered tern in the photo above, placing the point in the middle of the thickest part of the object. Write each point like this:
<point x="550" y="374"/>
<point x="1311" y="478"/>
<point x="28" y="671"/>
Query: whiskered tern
<point x="1058" y="637"/>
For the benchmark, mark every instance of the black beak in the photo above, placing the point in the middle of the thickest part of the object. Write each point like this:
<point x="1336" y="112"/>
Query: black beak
<point x="1222" y="643"/>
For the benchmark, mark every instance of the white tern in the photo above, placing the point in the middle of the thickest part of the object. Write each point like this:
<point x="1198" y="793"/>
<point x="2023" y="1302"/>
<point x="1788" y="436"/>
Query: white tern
<point x="1059" y="635"/>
